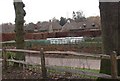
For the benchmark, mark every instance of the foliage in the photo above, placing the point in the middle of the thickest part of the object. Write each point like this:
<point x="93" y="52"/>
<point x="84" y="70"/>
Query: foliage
<point x="63" y="21"/>
<point x="54" y="20"/>
<point x="10" y="55"/>
<point x="78" y="16"/>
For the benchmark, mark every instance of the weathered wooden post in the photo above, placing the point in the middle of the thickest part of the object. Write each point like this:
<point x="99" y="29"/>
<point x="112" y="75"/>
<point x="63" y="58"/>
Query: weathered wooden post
<point x="114" y="72"/>
<point x="4" y="56"/>
<point x="43" y="68"/>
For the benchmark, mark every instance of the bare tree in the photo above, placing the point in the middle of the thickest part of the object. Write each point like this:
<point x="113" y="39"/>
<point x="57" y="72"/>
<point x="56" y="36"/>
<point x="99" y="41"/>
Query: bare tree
<point x="110" y="33"/>
<point x="78" y="16"/>
<point x="19" y="27"/>
<point x="118" y="43"/>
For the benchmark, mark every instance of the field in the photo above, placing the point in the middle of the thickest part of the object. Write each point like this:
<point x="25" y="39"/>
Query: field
<point x="90" y="45"/>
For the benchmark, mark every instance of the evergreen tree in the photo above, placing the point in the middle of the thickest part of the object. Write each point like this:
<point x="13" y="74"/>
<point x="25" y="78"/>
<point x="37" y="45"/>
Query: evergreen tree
<point x="63" y="21"/>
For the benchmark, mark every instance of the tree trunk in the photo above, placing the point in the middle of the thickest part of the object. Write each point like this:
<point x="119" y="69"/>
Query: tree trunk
<point x="118" y="50"/>
<point x="109" y="23"/>
<point x="19" y="28"/>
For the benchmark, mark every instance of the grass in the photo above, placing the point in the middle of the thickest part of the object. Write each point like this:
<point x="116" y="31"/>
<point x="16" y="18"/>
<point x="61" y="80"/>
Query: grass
<point x="89" y="70"/>
<point x="82" y="69"/>
<point x="50" y="72"/>
<point x="87" y="43"/>
<point x="78" y="75"/>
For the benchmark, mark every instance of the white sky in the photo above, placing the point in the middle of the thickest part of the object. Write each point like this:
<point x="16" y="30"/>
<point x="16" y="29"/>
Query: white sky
<point x="43" y="10"/>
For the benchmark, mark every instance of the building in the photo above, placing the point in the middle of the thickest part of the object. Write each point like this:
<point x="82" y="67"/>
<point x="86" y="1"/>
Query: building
<point x="7" y="28"/>
<point x="66" y="40"/>
<point x="83" y="25"/>
<point x="50" y="27"/>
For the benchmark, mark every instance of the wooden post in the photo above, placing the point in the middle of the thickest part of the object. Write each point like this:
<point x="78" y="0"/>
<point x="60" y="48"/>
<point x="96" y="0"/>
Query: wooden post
<point x="43" y="68"/>
<point x="114" y="72"/>
<point x="4" y="56"/>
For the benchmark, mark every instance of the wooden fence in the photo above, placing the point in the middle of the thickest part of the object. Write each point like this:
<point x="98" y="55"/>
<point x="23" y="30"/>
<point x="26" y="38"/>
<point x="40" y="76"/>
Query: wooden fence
<point x="44" y="67"/>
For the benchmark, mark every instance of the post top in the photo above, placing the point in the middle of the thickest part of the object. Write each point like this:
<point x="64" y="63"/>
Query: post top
<point x="109" y="0"/>
<point x="17" y="0"/>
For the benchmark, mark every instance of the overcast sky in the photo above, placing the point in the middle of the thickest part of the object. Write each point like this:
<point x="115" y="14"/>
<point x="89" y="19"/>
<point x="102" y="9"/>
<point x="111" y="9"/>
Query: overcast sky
<point x="43" y="10"/>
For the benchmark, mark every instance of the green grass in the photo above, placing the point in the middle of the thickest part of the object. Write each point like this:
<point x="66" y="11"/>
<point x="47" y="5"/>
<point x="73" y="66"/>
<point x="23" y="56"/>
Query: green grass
<point x="10" y="55"/>
<point x="82" y="69"/>
<point x="79" y="75"/>
<point x="89" y="70"/>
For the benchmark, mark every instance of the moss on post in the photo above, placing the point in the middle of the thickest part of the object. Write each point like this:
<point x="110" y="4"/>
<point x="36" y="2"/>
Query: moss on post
<point x="19" y="27"/>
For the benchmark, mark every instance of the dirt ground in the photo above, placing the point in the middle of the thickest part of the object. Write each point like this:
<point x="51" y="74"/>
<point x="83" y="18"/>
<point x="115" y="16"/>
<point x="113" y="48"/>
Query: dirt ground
<point x="19" y="73"/>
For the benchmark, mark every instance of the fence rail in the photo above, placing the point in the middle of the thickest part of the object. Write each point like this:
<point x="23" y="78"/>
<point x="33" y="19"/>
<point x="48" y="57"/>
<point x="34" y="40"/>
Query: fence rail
<point x="62" y="69"/>
<point x="112" y="57"/>
<point x="100" y="56"/>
